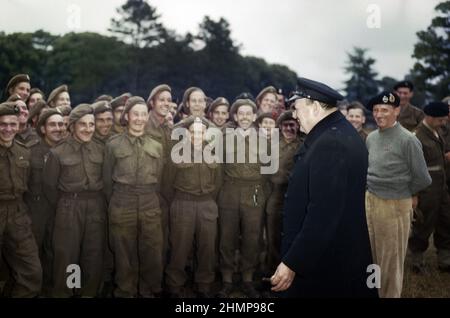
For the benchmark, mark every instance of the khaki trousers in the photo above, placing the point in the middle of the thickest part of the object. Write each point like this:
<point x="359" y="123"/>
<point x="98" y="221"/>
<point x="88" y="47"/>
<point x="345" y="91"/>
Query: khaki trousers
<point x="389" y="223"/>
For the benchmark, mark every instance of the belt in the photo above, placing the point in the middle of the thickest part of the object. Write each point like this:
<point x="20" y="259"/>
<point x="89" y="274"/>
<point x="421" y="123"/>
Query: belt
<point x="184" y="196"/>
<point x="242" y="182"/>
<point x="135" y="189"/>
<point x="81" y="195"/>
<point x="435" y="168"/>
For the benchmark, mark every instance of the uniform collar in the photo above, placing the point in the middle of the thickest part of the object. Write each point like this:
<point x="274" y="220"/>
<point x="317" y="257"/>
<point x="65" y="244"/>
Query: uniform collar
<point x="322" y="126"/>
<point x="76" y="145"/>
<point x="133" y="139"/>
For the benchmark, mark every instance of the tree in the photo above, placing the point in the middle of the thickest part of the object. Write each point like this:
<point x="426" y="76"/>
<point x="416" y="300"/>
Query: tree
<point x="138" y="25"/>
<point x="431" y="72"/>
<point x="362" y="84"/>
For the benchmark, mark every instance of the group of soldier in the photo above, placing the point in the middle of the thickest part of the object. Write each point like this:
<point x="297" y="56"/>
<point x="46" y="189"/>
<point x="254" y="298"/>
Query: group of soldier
<point x="95" y="185"/>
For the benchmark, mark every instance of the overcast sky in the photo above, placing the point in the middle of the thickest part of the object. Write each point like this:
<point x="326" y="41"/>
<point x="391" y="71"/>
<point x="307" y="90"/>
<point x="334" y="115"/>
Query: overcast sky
<point x="309" y="36"/>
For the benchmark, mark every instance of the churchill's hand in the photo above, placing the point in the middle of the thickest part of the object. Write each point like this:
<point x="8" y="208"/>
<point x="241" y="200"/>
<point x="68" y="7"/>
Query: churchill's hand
<point x="282" y="279"/>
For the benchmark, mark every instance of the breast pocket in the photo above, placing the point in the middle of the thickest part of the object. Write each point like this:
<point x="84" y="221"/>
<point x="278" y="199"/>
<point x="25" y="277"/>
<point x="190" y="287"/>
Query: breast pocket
<point x="153" y="159"/>
<point x="125" y="163"/>
<point x="71" y="169"/>
<point x="95" y="163"/>
<point x="22" y="167"/>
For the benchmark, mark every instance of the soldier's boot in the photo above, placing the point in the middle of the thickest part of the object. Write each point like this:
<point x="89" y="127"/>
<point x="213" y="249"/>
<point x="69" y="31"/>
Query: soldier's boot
<point x="225" y="292"/>
<point x="249" y="290"/>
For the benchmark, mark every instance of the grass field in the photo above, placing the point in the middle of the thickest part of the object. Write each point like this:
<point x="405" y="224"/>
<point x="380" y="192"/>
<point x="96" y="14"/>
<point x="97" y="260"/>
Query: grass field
<point x="432" y="284"/>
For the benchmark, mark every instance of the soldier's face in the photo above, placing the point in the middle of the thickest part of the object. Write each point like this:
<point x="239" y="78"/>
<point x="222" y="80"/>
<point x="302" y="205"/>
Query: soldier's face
<point x="103" y="123"/>
<point x="117" y="113"/>
<point x="289" y="129"/>
<point x="22" y="89"/>
<point x="437" y="122"/>
<point x="54" y="129"/>
<point x="305" y="113"/>
<point x="280" y="103"/>
<point x="405" y="95"/>
<point x="23" y="116"/>
<point x="84" y="128"/>
<point x="66" y="126"/>
<point x="161" y="103"/>
<point x="245" y="116"/>
<point x="356" y="118"/>
<point x="268" y="103"/>
<point x="137" y="119"/>
<point x="63" y="99"/>
<point x="385" y="115"/>
<point x="220" y="115"/>
<point x="34" y="99"/>
<point x="9" y="126"/>
<point x="268" y="124"/>
<point x="197" y="103"/>
<point x="198" y="133"/>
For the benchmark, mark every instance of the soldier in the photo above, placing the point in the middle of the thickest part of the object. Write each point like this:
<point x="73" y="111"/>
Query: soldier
<point x="241" y="204"/>
<point x="266" y="100"/>
<point x="192" y="189"/>
<point x="103" y="121"/>
<point x="26" y="134"/>
<point x="267" y="121"/>
<point x="103" y="131"/>
<point x="219" y="112"/>
<point x="65" y="112"/>
<point x="132" y="173"/>
<point x="35" y="112"/>
<point x="50" y="128"/>
<point x="17" y="244"/>
<point x="35" y="95"/>
<point x="433" y="202"/>
<point x="73" y="184"/>
<point x="410" y="116"/>
<point x="59" y="97"/>
<point x="194" y="101"/>
<point x="18" y="85"/>
<point x="158" y="103"/>
<point x="290" y="142"/>
<point x="393" y="151"/>
<point x="118" y="105"/>
<point x="355" y="115"/>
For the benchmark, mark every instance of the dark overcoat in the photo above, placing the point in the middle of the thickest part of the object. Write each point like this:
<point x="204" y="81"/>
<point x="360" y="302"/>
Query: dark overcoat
<point x="325" y="238"/>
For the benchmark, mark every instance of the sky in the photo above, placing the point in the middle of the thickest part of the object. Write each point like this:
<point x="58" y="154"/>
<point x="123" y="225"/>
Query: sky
<point x="312" y="37"/>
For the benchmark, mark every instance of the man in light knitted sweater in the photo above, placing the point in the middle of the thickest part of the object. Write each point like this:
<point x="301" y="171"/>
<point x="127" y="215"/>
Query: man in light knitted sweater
<point x="397" y="172"/>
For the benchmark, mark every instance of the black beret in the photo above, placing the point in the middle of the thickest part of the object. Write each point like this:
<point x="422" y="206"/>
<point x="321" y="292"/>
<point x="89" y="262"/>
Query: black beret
<point x="317" y="91"/>
<point x="9" y="108"/>
<point x="384" y="98"/>
<point x="19" y="78"/>
<point x="436" y="109"/>
<point x="406" y="84"/>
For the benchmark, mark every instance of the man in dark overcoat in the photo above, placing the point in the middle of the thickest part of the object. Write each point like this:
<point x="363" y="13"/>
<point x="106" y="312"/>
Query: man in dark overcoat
<point x="325" y="242"/>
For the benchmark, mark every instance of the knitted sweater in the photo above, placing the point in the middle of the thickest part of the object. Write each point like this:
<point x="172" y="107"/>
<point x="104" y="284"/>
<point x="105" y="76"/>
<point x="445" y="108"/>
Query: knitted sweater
<point x="397" y="168"/>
